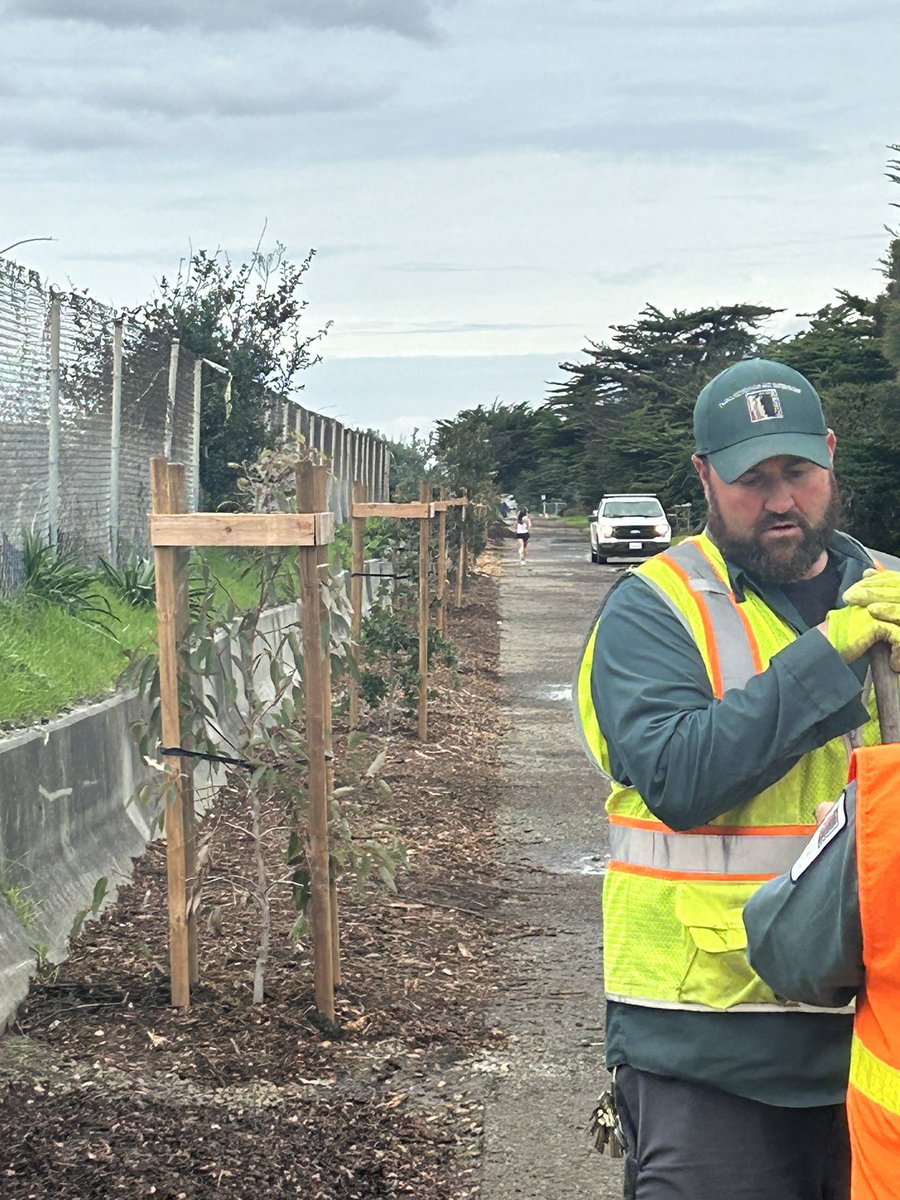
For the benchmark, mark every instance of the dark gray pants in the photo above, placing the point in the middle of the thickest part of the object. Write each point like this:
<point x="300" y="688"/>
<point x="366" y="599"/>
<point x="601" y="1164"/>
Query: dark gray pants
<point x="690" y="1142"/>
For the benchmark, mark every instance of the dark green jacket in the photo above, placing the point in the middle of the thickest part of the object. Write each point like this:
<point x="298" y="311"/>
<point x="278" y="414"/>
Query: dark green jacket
<point x="804" y="931"/>
<point x="691" y="759"/>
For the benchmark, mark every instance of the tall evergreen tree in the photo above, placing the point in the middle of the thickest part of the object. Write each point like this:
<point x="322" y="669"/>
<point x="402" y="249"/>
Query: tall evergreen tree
<point x="841" y="353"/>
<point x="630" y="406"/>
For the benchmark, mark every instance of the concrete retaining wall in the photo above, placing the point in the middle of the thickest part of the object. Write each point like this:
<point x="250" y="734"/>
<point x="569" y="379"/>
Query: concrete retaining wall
<point x="68" y="817"/>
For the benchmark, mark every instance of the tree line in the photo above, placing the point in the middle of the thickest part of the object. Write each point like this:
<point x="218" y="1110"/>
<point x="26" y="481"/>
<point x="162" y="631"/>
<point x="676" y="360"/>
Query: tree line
<point x="622" y="419"/>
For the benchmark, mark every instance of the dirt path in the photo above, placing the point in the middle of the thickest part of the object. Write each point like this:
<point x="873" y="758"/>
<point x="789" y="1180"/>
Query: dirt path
<point x="553" y="839"/>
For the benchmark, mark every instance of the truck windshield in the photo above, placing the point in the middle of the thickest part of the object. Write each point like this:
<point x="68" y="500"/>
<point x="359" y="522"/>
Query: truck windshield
<point x="632" y="508"/>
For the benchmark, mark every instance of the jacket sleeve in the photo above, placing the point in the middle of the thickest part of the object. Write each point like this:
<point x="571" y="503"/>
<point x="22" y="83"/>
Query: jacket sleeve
<point x="690" y="756"/>
<point x="804" y="935"/>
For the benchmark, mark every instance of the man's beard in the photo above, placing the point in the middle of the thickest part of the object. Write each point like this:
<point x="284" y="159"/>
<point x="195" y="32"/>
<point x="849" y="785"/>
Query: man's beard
<point x="777" y="564"/>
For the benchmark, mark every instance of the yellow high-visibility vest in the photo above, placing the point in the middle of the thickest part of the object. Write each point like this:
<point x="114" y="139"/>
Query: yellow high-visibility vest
<point x="672" y="901"/>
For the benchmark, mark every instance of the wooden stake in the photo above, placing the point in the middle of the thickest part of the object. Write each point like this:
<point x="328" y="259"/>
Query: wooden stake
<point x="424" y="534"/>
<point x="178" y="503"/>
<point x="357" y="564"/>
<point x="461" y="557"/>
<point x="441" y="562"/>
<point x="168" y="621"/>
<point x="314" y="684"/>
<point x="321" y="502"/>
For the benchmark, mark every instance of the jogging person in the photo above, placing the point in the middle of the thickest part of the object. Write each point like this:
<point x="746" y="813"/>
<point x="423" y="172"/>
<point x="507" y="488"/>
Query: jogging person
<point x="523" y="532"/>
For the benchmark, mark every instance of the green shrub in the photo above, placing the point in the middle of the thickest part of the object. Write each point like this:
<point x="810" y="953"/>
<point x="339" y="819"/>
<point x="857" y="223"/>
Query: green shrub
<point x="389" y="677"/>
<point x="57" y="577"/>
<point x="134" y="582"/>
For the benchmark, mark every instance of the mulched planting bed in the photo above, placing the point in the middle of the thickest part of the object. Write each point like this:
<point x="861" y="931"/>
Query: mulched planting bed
<point x="105" y="1090"/>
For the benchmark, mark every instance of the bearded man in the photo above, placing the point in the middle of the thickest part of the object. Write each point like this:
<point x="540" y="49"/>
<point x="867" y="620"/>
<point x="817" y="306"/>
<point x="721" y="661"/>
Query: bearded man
<point x="721" y="690"/>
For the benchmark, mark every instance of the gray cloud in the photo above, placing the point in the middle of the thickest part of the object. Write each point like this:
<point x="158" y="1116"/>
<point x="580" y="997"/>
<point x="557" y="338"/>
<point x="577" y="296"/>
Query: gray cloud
<point x="456" y="327"/>
<point x="415" y="19"/>
<point x="150" y="255"/>
<point x="733" y="93"/>
<point x="339" y="250"/>
<point x="641" y="274"/>
<point x="667" y="139"/>
<point x="464" y="133"/>
<point x="427" y="268"/>
<point x="712" y="15"/>
<point x="52" y="127"/>
<point x="231" y="96"/>
<point x="450" y="382"/>
<point x="120" y="115"/>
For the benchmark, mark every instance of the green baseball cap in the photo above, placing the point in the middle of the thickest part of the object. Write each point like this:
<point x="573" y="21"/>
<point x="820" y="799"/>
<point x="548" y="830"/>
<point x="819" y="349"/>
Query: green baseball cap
<point x="755" y="410"/>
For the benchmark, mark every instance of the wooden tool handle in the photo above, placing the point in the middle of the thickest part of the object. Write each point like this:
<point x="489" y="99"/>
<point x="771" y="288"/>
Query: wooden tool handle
<point x="887" y="692"/>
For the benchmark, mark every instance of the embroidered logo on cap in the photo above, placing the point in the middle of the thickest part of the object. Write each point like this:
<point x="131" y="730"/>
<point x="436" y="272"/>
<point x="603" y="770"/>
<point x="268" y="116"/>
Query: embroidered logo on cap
<point x="763" y="404"/>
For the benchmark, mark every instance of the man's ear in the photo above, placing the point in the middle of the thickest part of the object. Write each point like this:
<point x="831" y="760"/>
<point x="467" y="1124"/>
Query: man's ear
<point x="701" y="466"/>
<point x="831" y="442"/>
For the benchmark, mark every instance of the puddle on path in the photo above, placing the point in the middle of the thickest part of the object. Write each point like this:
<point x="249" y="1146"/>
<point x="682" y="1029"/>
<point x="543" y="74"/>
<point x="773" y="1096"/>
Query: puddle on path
<point x="555" y="691"/>
<point x="592" y="864"/>
<point x="584" y="864"/>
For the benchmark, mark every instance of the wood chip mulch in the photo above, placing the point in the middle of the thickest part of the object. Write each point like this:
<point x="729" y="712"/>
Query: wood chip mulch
<point x="105" y="1090"/>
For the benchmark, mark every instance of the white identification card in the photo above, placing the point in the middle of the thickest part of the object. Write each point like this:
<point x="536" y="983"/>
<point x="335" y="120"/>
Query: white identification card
<point x="827" y="832"/>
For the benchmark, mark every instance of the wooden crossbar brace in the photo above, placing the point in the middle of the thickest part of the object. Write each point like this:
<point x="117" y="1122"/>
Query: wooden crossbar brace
<point x="414" y="508"/>
<point x="242" y="529"/>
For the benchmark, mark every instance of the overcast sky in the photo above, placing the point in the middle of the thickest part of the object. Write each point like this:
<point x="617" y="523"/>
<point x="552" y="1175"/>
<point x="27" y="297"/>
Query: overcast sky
<point x="487" y="183"/>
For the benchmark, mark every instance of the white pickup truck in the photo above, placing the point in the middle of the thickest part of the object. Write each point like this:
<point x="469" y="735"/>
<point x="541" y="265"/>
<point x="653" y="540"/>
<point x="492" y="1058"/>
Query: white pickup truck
<point x="629" y="526"/>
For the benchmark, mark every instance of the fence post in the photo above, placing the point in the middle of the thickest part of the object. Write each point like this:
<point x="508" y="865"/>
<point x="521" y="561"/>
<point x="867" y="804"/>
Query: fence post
<point x="357" y="565"/>
<point x="115" y="443"/>
<point x="195" y="434"/>
<point x="168" y="597"/>
<point x="317" y="702"/>
<point x="170" y="404"/>
<point x="53" y="445"/>
<point x="424" y="534"/>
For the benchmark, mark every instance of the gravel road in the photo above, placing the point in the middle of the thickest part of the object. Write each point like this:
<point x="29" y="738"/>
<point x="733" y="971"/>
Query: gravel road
<point x="555" y="842"/>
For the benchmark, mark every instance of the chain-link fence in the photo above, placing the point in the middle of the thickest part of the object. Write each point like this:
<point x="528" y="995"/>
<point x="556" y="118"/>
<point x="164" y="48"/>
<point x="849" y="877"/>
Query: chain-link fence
<point x="86" y="401"/>
<point x="81" y="412"/>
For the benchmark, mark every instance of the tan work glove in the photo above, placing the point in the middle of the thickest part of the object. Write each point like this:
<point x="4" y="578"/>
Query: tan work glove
<point x="875" y="587"/>
<point x="854" y="630"/>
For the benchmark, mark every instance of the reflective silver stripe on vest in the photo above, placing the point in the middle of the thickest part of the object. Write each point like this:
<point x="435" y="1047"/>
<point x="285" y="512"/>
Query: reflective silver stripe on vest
<point x="719" y="854"/>
<point x="735" y="651"/>
<point x="789" y="1006"/>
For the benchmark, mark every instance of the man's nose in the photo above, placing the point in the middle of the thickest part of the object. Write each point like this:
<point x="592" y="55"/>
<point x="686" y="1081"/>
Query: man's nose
<point x="780" y="496"/>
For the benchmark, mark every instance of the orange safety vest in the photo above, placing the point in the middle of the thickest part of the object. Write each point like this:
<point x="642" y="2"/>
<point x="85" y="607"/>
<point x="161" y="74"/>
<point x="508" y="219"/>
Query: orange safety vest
<point x="873" y="1095"/>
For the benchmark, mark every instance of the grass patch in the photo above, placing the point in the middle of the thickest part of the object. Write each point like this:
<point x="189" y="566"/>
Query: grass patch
<point x="51" y="659"/>
<point x="576" y="522"/>
<point x="18" y="902"/>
